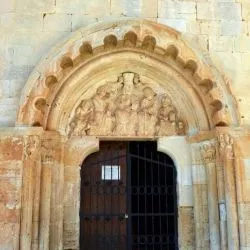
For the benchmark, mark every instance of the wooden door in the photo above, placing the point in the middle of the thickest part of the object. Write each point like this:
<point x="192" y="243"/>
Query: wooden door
<point x="104" y="198"/>
<point x="128" y="198"/>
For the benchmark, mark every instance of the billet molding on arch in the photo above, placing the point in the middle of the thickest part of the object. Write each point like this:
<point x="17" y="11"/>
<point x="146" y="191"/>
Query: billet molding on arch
<point x="49" y="91"/>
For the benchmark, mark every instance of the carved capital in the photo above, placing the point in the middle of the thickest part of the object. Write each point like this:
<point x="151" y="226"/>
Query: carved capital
<point x="50" y="150"/>
<point x="31" y="147"/>
<point x="225" y="145"/>
<point x="208" y="152"/>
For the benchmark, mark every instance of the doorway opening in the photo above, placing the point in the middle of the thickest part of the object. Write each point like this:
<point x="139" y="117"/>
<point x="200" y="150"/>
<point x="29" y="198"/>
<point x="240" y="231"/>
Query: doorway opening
<point x="128" y="198"/>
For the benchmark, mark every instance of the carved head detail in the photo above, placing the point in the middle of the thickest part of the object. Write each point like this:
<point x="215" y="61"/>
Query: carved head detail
<point x="128" y="81"/>
<point x="102" y="91"/>
<point x="166" y="101"/>
<point x="149" y="93"/>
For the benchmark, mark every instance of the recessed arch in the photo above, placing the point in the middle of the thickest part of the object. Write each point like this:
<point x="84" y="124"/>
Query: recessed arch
<point x="74" y="70"/>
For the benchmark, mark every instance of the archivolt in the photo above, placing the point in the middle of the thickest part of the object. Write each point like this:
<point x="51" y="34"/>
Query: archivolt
<point x="96" y="53"/>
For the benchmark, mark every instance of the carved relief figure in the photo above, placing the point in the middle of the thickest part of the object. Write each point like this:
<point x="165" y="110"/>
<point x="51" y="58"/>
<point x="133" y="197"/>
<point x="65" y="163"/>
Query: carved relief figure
<point x="167" y="118"/>
<point x="127" y="107"/>
<point x="148" y="112"/>
<point x="122" y="114"/>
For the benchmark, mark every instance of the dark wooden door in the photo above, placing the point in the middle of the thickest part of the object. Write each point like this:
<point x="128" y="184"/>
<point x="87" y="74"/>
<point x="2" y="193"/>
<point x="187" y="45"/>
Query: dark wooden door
<point x="128" y="198"/>
<point x="104" y="198"/>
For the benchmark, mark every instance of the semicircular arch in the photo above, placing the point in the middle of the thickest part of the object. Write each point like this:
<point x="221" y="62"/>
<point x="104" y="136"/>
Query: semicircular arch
<point x="106" y="55"/>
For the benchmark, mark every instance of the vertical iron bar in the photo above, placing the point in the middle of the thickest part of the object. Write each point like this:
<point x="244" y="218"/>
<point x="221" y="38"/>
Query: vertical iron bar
<point x="129" y="198"/>
<point x="152" y="188"/>
<point x="175" y="208"/>
<point x="159" y="195"/>
<point x="138" y="196"/>
<point x="166" y="197"/>
<point x="145" y="196"/>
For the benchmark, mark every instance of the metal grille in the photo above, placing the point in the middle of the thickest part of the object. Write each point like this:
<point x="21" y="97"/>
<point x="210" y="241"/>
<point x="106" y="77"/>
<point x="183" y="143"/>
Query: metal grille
<point x="128" y="198"/>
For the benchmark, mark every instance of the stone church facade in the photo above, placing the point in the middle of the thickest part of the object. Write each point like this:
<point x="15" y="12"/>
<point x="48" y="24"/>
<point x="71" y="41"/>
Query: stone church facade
<point x="179" y="79"/>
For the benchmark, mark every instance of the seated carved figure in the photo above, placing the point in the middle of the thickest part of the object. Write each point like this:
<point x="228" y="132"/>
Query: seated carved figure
<point x="122" y="114"/>
<point x="83" y="116"/>
<point x="166" y="118"/>
<point x="148" y="112"/>
<point x="100" y="108"/>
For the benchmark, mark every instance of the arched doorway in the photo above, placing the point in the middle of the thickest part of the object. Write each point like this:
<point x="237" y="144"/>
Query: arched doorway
<point x="138" y="81"/>
<point x="128" y="198"/>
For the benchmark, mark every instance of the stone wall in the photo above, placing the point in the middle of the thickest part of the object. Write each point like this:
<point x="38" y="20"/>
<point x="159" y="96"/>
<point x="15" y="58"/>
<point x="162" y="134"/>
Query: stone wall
<point x="220" y="29"/>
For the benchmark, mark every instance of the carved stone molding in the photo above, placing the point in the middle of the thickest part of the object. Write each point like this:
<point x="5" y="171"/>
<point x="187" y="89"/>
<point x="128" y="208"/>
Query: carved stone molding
<point x="208" y="152"/>
<point x="131" y="45"/>
<point x="127" y="107"/>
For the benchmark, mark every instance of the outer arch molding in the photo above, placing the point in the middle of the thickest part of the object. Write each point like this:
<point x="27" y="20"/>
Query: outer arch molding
<point x="151" y="48"/>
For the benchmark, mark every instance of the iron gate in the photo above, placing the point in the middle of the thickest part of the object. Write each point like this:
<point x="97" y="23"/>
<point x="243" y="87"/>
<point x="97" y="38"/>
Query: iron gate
<point x="128" y="198"/>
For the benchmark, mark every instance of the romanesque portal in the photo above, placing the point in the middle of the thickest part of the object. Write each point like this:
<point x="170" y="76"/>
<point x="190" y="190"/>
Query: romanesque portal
<point x="131" y="80"/>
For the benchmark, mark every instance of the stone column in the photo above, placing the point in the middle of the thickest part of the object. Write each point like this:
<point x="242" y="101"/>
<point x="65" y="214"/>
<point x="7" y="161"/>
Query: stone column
<point x="226" y="148"/>
<point x="51" y="208"/>
<point x="221" y="192"/>
<point x="208" y="155"/>
<point x="36" y="197"/>
<point x="31" y="153"/>
<point x="200" y="194"/>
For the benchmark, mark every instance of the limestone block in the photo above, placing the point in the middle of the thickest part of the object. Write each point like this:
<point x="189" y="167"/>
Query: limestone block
<point x="7" y="6"/>
<point x="178" y="24"/>
<point x="22" y="22"/>
<point x="233" y="28"/>
<point x="200" y="41"/>
<point x="246" y="167"/>
<point x="228" y="11"/>
<point x="11" y="148"/>
<point x="63" y="6"/>
<point x="40" y="6"/>
<point x="246" y="10"/>
<point x="22" y="54"/>
<point x="133" y="8"/>
<point x="231" y="63"/>
<point x="246" y="190"/>
<point x="186" y="224"/>
<point x="10" y="89"/>
<point x="242" y="43"/>
<point x="204" y="11"/>
<point x="193" y="27"/>
<point x="97" y="8"/>
<point x="149" y="8"/>
<point x="210" y="27"/>
<point x="186" y="175"/>
<point x="200" y="194"/>
<point x="9" y="236"/>
<point x="221" y="43"/>
<point x="185" y="195"/>
<point x="9" y="214"/>
<point x="79" y="21"/>
<point x="176" y="9"/>
<point x="4" y="88"/>
<point x="57" y="22"/>
<point x="219" y="11"/>
<point x="7" y="121"/>
<point x="199" y="174"/>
